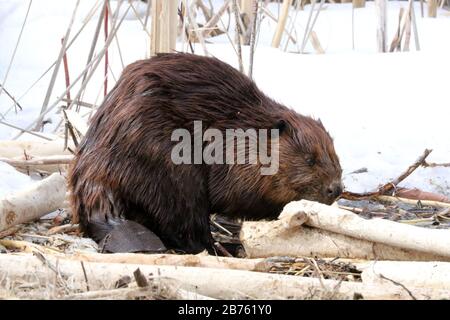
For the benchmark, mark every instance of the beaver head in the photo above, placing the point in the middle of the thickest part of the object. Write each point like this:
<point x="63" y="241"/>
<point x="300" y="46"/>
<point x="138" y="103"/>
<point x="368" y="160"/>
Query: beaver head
<point x="309" y="166"/>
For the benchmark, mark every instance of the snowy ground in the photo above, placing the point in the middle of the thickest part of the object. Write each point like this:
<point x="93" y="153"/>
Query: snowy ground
<point x="382" y="109"/>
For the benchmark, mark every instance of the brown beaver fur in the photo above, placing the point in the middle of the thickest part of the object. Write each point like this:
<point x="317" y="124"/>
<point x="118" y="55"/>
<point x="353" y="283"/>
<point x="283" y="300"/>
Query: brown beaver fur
<point x="123" y="171"/>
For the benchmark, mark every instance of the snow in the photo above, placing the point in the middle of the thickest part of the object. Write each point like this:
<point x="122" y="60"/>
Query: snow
<point x="11" y="180"/>
<point x="383" y="110"/>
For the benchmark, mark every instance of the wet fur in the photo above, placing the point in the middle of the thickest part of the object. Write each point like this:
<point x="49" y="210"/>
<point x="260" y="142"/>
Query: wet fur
<point x="123" y="169"/>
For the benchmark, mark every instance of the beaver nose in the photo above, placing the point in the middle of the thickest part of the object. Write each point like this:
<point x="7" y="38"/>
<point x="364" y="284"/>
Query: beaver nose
<point x="334" y="190"/>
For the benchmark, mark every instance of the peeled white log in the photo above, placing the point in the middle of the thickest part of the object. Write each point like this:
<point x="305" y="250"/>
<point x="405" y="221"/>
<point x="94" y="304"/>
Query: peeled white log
<point x="266" y="239"/>
<point x="433" y="275"/>
<point x="15" y="149"/>
<point x="175" y="260"/>
<point x="17" y="153"/>
<point x="46" y="164"/>
<point x="432" y="241"/>
<point x="214" y="283"/>
<point x="34" y="202"/>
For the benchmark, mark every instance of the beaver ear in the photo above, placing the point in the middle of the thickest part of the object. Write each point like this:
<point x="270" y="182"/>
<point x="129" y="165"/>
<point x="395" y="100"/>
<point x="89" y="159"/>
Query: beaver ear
<point x="320" y="123"/>
<point x="281" y="125"/>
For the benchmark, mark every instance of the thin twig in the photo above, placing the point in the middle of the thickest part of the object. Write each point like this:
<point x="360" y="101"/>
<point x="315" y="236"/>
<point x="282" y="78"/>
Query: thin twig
<point x="94" y="63"/>
<point x="85" y="276"/>
<point x="400" y="285"/>
<point x="11" y="97"/>
<point x="15" y="48"/>
<point x="253" y="37"/>
<point x="56" y="68"/>
<point x="66" y="70"/>
<point x="238" y="33"/>
<point x="390" y="186"/>
<point x="25" y="130"/>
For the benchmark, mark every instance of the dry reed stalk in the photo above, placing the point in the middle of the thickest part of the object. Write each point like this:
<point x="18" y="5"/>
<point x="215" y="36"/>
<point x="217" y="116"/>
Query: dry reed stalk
<point x="105" y="86"/>
<point x="209" y="26"/>
<point x="56" y="68"/>
<point x="94" y="64"/>
<point x="292" y="26"/>
<point x="414" y="25"/>
<point x="381" y="8"/>
<point x="66" y="71"/>
<point x="310" y="29"/>
<point x="16" y="103"/>
<point x="48" y="69"/>
<point x="5" y="78"/>
<point x="254" y="17"/>
<point x="286" y="31"/>
<point x="432" y="8"/>
<point x="94" y="44"/>
<point x="197" y="30"/>
<point x="237" y="35"/>
<point x="281" y="23"/>
<point x="25" y="130"/>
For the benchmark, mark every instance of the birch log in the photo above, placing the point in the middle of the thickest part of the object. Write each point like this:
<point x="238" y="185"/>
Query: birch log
<point x="40" y="164"/>
<point x="176" y="260"/>
<point x="41" y="198"/>
<point x="14" y="149"/>
<point x="433" y="275"/>
<point x="267" y="239"/>
<point x="436" y="242"/>
<point x="333" y="232"/>
<point x="214" y="283"/>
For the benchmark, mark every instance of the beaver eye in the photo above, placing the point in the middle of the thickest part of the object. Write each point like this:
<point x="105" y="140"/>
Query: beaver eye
<point x="311" y="161"/>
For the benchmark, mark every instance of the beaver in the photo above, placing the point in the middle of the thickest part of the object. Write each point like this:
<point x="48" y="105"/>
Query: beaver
<point x="125" y="185"/>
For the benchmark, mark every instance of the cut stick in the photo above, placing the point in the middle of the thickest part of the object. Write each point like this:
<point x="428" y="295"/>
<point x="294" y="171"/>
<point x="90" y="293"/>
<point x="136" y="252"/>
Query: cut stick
<point x="426" y="203"/>
<point x="39" y="161"/>
<point x="214" y="283"/>
<point x="267" y="239"/>
<point x="15" y="149"/>
<point x="40" y="164"/>
<point x="436" y="242"/>
<point x="433" y="275"/>
<point x="286" y="31"/>
<point x="416" y="194"/>
<point x="36" y="201"/>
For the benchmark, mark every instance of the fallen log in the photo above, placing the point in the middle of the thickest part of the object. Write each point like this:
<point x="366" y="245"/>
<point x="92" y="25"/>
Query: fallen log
<point x="46" y="156"/>
<point x="214" y="283"/>
<point x="267" y="239"/>
<point x="15" y="149"/>
<point x="201" y="261"/>
<point x="34" y="202"/>
<point x="387" y="232"/>
<point x="42" y="164"/>
<point x="332" y="232"/>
